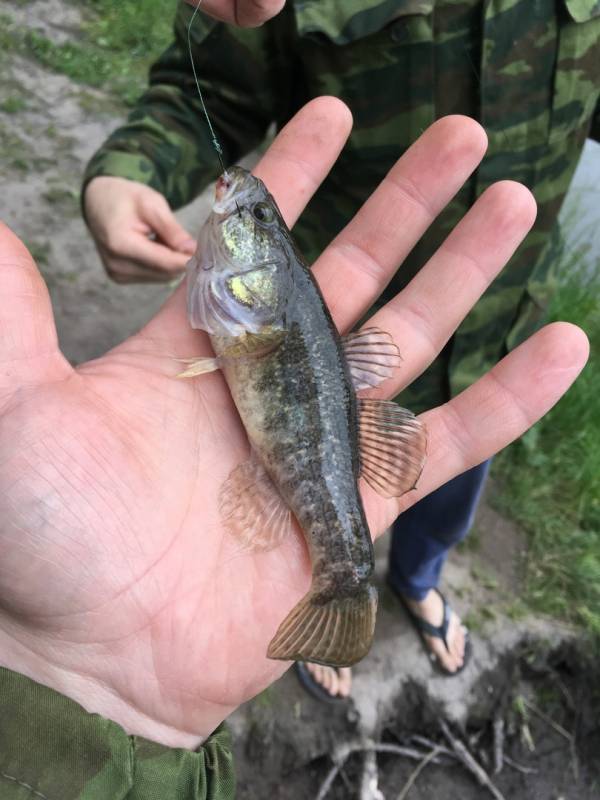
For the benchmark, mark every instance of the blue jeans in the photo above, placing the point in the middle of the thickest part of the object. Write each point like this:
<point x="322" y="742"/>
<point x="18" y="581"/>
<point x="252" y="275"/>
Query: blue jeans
<point x="423" y="535"/>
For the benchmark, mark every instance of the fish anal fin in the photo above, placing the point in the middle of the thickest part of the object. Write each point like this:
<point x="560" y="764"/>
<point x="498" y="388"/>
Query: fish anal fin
<point x="337" y="632"/>
<point x="198" y="366"/>
<point x="372" y="357"/>
<point x="252" y="509"/>
<point x="393" y="446"/>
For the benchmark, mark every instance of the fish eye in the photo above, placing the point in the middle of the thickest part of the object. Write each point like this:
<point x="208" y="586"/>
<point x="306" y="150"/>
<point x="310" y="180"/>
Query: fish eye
<point x="262" y="212"/>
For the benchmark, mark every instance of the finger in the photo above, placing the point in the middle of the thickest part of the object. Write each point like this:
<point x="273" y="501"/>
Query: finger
<point x="372" y="246"/>
<point x="149" y="254"/>
<point x="303" y="153"/>
<point x="124" y="272"/>
<point x="245" y="13"/>
<point x="28" y="340"/>
<point x="428" y="311"/>
<point x="164" y="223"/>
<point x="491" y="413"/>
<point x="293" y="167"/>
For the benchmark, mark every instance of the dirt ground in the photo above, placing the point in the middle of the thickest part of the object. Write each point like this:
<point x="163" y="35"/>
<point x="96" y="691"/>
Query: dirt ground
<point x="531" y="673"/>
<point x="542" y="761"/>
<point x="284" y="739"/>
<point x="44" y="147"/>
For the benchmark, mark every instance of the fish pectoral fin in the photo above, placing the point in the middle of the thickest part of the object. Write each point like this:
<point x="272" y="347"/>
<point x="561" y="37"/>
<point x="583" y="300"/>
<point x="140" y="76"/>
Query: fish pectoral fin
<point x="252" y="509"/>
<point x="198" y="366"/>
<point x="392" y="445"/>
<point x="337" y="631"/>
<point x="372" y="357"/>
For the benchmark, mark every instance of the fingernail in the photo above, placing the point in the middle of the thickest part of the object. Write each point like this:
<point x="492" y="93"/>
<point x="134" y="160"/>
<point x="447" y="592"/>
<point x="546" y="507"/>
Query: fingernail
<point x="189" y="246"/>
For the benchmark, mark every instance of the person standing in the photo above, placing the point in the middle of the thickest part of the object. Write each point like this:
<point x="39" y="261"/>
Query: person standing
<point x="529" y="72"/>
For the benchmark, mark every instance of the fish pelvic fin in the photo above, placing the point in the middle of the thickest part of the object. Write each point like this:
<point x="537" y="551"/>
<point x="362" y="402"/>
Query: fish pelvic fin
<point x="337" y="631"/>
<point x="198" y="366"/>
<point x="252" y="510"/>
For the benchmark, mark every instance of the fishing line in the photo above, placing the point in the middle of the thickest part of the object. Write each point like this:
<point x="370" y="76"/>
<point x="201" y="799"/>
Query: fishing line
<point x="215" y="142"/>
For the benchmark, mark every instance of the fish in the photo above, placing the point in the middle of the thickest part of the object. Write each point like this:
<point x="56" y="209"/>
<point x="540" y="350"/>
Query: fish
<point x="295" y="383"/>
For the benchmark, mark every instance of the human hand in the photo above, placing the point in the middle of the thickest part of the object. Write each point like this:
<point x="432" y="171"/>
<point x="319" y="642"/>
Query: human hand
<point x="122" y="215"/>
<point x="245" y="13"/>
<point x="118" y="585"/>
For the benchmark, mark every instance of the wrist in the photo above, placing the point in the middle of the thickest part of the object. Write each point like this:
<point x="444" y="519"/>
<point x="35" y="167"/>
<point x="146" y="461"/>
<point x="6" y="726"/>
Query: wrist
<point x="97" y="696"/>
<point x="51" y="747"/>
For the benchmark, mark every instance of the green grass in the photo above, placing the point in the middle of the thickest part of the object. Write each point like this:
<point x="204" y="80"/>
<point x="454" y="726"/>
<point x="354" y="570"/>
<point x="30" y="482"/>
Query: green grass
<point x="551" y="477"/>
<point x="118" y="41"/>
<point x="12" y="105"/>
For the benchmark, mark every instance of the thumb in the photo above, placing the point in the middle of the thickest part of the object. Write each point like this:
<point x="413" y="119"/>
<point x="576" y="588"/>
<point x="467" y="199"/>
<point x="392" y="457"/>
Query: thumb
<point x="164" y="223"/>
<point x="28" y="341"/>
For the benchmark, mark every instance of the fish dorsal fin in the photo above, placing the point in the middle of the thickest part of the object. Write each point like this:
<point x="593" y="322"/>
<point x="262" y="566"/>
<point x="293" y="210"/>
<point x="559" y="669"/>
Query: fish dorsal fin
<point x="252" y="509"/>
<point x="393" y="444"/>
<point x="372" y="357"/>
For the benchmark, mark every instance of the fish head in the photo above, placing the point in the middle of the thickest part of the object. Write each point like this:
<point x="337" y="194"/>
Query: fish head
<point x="239" y="280"/>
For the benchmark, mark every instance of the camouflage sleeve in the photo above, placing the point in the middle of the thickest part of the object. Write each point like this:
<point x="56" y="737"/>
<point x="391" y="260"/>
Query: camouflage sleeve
<point x="50" y="748"/>
<point x="165" y="142"/>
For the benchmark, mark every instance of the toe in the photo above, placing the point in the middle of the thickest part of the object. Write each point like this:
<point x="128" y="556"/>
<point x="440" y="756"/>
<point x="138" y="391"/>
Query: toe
<point x="324" y="678"/>
<point x="345" y="681"/>
<point x="458" y="640"/>
<point x="334" y="685"/>
<point x="446" y="658"/>
<point x="316" y="670"/>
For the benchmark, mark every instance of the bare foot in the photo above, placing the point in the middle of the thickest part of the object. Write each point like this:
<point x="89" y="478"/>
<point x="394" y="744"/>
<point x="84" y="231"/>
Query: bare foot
<point x="431" y="609"/>
<point x="335" y="680"/>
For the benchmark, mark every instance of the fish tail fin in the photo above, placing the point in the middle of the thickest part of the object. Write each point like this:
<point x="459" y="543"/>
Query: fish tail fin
<point x="334" y="631"/>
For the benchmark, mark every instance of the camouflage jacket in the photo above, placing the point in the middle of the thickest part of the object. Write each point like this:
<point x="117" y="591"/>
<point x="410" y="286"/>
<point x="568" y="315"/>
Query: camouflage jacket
<point x="528" y="71"/>
<point x="51" y="748"/>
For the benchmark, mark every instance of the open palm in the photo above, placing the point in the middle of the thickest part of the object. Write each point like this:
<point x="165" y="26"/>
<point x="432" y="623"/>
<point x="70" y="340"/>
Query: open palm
<point x="118" y="585"/>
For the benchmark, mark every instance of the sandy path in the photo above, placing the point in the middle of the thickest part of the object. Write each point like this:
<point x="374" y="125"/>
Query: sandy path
<point x="44" y="147"/>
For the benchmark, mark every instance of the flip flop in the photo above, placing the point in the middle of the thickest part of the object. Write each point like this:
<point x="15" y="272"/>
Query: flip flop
<point x="314" y="688"/>
<point x="425" y="628"/>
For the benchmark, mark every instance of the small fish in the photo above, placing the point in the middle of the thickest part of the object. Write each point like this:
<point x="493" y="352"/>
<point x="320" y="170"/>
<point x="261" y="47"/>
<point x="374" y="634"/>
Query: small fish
<point x="294" y="381"/>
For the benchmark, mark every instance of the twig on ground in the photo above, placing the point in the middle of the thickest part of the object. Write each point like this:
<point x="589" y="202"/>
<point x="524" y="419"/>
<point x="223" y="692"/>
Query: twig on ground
<point x="498" y="741"/>
<point x="341" y="754"/>
<point x="565" y="692"/>
<point x="329" y="779"/>
<point x="339" y="758"/>
<point x="520" y="767"/>
<point x="346" y="780"/>
<point x="570" y="737"/>
<point x="407" y="752"/>
<point x="469" y="762"/>
<point x="369" y="783"/>
<point x="415" y="774"/>
<point x="425" y="742"/>
<point x="524" y="729"/>
<point x="542" y="715"/>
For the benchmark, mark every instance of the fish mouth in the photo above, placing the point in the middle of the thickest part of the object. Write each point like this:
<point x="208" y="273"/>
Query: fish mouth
<point x="222" y="186"/>
<point x="232" y="190"/>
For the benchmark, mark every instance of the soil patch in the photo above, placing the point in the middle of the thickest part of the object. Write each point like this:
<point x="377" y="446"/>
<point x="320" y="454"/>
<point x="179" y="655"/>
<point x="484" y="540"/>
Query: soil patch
<point x="547" y="706"/>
